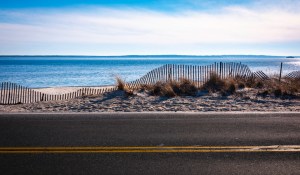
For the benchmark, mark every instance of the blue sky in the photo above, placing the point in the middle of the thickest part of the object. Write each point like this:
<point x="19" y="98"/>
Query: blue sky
<point x="126" y="27"/>
<point x="153" y="4"/>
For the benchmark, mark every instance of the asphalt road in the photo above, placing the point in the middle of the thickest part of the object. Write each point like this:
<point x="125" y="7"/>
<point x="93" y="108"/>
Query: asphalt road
<point x="155" y="130"/>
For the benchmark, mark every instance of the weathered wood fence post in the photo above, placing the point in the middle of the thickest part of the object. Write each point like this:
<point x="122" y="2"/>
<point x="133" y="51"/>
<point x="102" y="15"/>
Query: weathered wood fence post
<point x="280" y="72"/>
<point x="170" y="73"/>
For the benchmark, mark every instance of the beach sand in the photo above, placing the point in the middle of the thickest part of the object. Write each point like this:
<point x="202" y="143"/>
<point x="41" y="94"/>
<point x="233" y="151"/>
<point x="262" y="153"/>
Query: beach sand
<point x="244" y="100"/>
<point x="64" y="90"/>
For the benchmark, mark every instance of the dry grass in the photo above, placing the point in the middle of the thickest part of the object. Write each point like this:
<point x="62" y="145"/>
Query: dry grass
<point x="162" y="89"/>
<point x="249" y="82"/>
<point x="216" y="84"/>
<point x="120" y="83"/>
<point x="230" y="88"/>
<point x="294" y="84"/>
<point x="171" y="88"/>
<point x="287" y="88"/>
<point x="128" y="91"/>
<point x="187" y="87"/>
<point x="145" y="87"/>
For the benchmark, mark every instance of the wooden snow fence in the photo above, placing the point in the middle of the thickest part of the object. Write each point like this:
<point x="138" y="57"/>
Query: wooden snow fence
<point x="196" y="73"/>
<point x="293" y="75"/>
<point x="261" y="75"/>
<point x="12" y="93"/>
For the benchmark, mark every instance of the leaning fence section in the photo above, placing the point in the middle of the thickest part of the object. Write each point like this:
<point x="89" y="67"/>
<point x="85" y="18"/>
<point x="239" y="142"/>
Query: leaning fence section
<point x="196" y="73"/>
<point x="12" y="93"/>
<point x="293" y="75"/>
<point x="261" y="75"/>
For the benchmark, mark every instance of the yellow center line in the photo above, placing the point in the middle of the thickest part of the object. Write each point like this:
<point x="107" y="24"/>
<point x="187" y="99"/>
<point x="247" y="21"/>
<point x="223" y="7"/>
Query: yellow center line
<point x="149" y="149"/>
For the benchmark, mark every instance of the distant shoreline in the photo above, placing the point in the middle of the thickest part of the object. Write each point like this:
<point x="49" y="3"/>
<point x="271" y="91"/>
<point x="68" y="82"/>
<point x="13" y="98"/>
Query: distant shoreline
<point x="167" y="55"/>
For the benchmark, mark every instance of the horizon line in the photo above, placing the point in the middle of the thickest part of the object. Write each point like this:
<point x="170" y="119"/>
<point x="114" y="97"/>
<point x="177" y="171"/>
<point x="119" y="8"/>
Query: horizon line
<point x="142" y="55"/>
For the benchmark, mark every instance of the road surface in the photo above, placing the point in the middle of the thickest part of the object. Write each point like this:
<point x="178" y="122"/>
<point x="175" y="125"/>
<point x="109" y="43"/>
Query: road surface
<point x="150" y="143"/>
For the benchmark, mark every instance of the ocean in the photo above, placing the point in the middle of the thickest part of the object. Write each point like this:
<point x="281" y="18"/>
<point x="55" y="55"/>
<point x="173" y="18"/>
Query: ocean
<point x="54" y="71"/>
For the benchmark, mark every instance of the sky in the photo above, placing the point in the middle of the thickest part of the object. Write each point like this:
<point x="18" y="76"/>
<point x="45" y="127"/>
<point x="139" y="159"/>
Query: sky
<point x="150" y="27"/>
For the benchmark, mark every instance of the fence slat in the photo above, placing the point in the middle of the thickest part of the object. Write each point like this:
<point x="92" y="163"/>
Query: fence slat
<point x="1" y="94"/>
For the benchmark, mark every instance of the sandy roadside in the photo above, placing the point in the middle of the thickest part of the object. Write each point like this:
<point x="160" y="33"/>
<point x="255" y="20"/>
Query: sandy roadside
<point x="117" y="101"/>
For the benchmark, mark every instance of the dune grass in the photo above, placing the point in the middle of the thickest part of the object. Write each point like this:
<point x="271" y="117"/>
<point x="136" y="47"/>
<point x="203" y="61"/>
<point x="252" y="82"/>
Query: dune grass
<point x="284" y="89"/>
<point x="182" y="87"/>
<point x="227" y="86"/>
<point x="120" y="83"/>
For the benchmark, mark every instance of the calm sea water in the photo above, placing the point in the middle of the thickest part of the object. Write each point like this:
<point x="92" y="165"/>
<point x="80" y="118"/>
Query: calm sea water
<point x="54" y="71"/>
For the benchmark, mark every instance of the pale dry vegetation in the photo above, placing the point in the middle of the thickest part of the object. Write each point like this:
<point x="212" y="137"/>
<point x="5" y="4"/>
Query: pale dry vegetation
<point x="216" y="84"/>
<point x="120" y="83"/>
<point x="183" y="87"/>
<point x="287" y="88"/>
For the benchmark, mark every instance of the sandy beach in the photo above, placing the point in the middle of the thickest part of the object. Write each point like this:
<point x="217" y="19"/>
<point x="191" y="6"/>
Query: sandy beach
<point x="64" y="90"/>
<point x="245" y="100"/>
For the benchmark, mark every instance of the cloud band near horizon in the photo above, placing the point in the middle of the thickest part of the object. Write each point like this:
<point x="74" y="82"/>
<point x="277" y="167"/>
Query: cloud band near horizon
<point x="108" y="31"/>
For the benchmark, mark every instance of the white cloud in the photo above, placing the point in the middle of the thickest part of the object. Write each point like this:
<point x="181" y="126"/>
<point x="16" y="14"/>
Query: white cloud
<point x="131" y="26"/>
